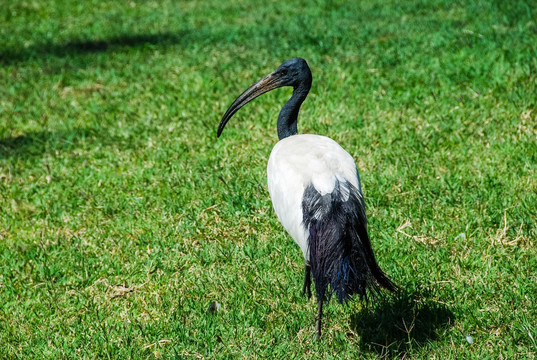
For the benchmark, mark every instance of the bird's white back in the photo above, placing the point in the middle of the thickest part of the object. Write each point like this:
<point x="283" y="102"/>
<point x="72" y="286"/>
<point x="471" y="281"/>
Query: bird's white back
<point x="298" y="161"/>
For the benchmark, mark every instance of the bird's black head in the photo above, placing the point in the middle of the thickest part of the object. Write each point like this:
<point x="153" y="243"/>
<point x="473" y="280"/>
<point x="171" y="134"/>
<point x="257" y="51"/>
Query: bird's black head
<point x="294" y="72"/>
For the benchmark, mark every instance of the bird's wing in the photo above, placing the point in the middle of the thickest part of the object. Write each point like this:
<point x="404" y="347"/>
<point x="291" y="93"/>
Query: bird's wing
<point x="315" y="191"/>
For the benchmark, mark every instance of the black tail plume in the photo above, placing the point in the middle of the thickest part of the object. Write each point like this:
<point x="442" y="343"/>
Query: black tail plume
<point x="341" y="257"/>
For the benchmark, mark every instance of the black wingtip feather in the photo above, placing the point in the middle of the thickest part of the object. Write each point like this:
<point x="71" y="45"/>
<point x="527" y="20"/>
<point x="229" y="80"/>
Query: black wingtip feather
<point x="341" y="257"/>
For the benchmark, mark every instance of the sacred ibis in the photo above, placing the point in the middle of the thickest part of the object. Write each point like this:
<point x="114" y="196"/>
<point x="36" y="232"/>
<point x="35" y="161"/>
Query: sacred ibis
<point x="316" y="194"/>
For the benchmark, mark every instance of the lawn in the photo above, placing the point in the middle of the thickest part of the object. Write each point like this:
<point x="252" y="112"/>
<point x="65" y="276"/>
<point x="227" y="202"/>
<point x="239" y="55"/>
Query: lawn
<point x="123" y="218"/>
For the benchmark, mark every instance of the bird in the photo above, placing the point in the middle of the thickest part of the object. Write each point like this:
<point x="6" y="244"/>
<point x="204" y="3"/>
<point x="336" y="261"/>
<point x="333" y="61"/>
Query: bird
<point x="316" y="194"/>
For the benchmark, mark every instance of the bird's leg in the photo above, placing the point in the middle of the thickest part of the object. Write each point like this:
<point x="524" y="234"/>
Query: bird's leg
<point x="319" y="318"/>
<point x="306" y="289"/>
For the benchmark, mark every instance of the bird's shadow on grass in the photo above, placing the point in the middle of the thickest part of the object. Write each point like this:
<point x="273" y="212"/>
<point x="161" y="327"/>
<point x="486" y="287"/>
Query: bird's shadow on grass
<point x="395" y="326"/>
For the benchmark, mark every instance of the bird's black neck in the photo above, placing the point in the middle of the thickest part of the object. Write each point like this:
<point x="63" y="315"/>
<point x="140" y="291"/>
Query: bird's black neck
<point x="287" y="120"/>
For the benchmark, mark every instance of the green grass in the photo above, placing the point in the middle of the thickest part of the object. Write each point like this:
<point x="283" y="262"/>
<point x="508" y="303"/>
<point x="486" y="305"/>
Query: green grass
<point x="122" y="218"/>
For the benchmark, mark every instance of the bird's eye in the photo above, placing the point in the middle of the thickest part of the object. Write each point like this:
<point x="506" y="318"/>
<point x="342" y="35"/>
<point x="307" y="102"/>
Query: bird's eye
<point x="284" y="72"/>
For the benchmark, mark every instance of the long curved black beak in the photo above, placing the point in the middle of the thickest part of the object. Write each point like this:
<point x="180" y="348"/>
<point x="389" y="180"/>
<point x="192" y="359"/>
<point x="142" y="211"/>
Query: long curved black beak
<point x="269" y="82"/>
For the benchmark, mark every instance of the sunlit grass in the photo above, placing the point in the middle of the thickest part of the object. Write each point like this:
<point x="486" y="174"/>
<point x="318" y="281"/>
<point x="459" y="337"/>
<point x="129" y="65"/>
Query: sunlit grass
<point x="122" y="218"/>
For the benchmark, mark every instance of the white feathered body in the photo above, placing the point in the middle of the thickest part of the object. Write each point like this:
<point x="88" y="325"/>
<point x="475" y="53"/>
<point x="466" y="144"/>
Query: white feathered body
<point x="298" y="161"/>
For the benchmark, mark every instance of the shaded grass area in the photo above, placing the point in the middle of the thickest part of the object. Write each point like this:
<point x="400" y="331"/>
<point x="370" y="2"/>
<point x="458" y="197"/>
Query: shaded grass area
<point x="122" y="218"/>
<point x="398" y="325"/>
